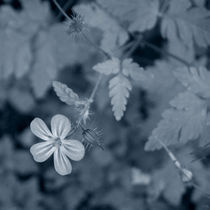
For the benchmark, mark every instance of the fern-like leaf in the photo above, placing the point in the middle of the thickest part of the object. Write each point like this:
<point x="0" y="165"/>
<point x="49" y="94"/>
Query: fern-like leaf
<point x="186" y="120"/>
<point x="119" y="88"/>
<point x="119" y="85"/>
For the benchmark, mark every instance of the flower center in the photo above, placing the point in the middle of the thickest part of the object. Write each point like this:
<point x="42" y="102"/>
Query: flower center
<point x="57" y="142"/>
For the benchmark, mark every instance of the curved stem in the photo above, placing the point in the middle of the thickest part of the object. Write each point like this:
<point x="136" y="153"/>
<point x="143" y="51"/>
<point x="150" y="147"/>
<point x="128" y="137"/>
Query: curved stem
<point x="96" y="46"/>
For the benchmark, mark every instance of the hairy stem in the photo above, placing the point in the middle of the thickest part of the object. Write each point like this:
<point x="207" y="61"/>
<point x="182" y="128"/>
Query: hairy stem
<point x="89" y="101"/>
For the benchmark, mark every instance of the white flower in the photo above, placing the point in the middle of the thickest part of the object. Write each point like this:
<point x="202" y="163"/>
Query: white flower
<point x="55" y="143"/>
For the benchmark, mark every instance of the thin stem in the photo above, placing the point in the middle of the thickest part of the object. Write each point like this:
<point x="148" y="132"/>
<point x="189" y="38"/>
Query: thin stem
<point x="165" y="52"/>
<point x="61" y="10"/>
<point x="96" y="46"/>
<point x="171" y="155"/>
<point x="65" y="7"/>
<point x="90" y="100"/>
<point x="133" y="47"/>
<point x="83" y="34"/>
<point x="95" y="88"/>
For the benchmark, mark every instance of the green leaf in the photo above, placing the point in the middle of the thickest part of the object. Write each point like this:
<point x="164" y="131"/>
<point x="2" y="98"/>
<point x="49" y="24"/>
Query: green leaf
<point x="186" y="23"/>
<point x="108" y="67"/>
<point x="66" y="94"/>
<point x="129" y="68"/>
<point x="195" y="79"/>
<point x="137" y="15"/>
<point x="184" y="121"/>
<point x="134" y="71"/>
<point x="119" y="87"/>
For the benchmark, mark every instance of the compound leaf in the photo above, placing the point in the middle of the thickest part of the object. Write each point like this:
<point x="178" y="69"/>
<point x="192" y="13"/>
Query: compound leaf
<point x="184" y="121"/>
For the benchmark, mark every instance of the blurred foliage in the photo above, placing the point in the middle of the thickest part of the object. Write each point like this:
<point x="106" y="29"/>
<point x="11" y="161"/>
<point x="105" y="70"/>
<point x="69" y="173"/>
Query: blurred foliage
<point x="36" y="49"/>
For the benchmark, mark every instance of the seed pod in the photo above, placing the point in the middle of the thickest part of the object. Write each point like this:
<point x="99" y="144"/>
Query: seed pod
<point x="91" y="137"/>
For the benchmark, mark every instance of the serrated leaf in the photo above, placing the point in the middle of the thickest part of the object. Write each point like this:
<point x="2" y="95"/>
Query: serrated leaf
<point x="129" y="68"/>
<point x="138" y="15"/>
<point x="114" y="35"/>
<point x="184" y="121"/>
<point x="195" y="79"/>
<point x="108" y="67"/>
<point x="186" y="23"/>
<point x="134" y="71"/>
<point x="66" y="94"/>
<point x="119" y="87"/>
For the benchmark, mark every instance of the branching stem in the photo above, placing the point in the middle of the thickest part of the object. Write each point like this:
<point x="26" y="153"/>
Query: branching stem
<point x="92" y="95"/>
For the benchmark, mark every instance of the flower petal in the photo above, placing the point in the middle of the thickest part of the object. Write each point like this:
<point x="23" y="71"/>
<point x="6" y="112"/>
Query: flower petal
<point x="42" y="151"/>
<point x="74" y="149"/>
<point x="61" y="162"/>
<point x="60" y="126"/>
<point x="40" y="129"/>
